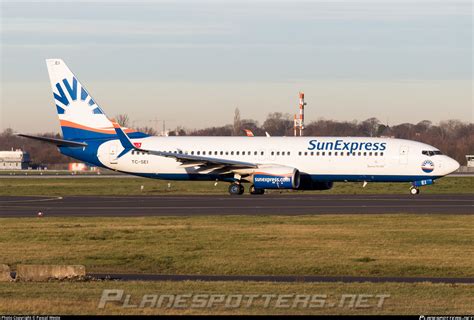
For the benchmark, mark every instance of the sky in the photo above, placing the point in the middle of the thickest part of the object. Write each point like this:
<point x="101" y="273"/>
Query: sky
<point x="192" y="63"/>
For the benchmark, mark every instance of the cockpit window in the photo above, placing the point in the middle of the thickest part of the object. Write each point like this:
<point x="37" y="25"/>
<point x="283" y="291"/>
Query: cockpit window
<point x="430" y="153"/>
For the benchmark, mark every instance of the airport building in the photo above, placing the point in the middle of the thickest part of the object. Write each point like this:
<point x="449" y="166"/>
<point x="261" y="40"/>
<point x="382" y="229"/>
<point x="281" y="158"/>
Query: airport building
<point x="470" y="160"/>
<point x="14" y="160"/>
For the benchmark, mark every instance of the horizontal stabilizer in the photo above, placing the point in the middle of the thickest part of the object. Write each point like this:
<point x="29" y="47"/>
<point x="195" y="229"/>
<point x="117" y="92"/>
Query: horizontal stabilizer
<point x="58" y="142"/>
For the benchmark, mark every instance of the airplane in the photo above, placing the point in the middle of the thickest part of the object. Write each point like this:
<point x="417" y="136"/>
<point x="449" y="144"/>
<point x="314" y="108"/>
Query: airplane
<point x="299" y="163"/>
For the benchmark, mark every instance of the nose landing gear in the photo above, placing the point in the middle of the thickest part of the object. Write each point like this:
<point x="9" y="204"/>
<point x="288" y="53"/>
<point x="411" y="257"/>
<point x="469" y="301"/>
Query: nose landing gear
<point x="415" y="184"/>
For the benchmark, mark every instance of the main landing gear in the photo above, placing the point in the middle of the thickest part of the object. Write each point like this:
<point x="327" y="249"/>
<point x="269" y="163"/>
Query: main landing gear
<point x="414" y="191"/>
<point x="236" y="189"/>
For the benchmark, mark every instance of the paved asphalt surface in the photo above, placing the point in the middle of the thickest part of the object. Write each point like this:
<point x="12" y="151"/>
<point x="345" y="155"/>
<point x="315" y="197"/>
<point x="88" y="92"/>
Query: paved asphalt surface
<point x="267" y="278"/>
<point x="274" y="204"/>
<point x="275" y="278"/>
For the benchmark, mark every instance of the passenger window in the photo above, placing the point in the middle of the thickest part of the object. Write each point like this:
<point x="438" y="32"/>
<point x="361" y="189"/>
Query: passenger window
<point x="288" y="153"/>
<point x="375" y="153"/>
<point x="312" y="153"/>
<point x="329" y="153"/>
<point x="370" y="153"/>
<point x="381" y="153"/>
<point x="335" y="153"/>
<point x="192" y="152"/>
<point x="299" y="153"/>
<point x="255" y="153"/>
<point x="359" y="153"/>
<point x="323" y="153"/>
<point x="237" y="153"/>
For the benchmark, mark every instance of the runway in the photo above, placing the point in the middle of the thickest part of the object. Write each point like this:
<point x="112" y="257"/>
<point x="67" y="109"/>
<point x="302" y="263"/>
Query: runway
<point x="271" y="204"/>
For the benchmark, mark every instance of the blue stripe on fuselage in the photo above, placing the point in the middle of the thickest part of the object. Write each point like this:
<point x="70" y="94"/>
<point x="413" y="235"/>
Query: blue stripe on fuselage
<point x="314" y="177"/>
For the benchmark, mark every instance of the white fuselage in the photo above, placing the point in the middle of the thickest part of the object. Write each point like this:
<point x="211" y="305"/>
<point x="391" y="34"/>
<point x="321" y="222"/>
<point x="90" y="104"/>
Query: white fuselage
<point x="323" y="158"/>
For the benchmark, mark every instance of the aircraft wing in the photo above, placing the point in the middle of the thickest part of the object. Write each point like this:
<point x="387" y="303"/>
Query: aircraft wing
<point x="187" y="160"/>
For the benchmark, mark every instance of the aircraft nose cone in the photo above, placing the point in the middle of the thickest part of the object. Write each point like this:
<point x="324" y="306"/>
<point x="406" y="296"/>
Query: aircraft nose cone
<point x="452" y="165"/>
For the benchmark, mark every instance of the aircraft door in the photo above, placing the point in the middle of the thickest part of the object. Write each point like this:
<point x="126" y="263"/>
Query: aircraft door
<point x="403" y="156"/>
<point x="113" y="154"/>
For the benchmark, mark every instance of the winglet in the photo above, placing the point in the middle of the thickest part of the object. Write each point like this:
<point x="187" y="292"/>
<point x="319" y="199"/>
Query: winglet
<point x="248" y="132"/>
<point x="124" y="139"/>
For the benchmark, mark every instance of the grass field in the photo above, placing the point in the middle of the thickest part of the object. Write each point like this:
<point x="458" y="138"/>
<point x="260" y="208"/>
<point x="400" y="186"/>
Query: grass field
<point x="358" y="245"/>
<point x="383" y="245"/>
<point x="132" y="186"/>
<point x="83" y="297"/>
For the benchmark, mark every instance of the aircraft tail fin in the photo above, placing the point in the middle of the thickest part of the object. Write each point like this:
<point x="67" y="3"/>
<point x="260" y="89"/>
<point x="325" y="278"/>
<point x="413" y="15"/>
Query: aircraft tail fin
<point x="79" y="115"/>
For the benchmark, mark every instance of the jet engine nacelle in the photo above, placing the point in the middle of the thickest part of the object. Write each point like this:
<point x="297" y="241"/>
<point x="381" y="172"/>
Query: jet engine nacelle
<point x="322" y="185"/>
<point x="307" y="183"/>
<point x="276" y="177"/>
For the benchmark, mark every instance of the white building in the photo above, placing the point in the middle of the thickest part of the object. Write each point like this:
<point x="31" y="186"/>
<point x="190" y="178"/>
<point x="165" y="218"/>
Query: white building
<point x="470" y="160"/>
<point x="14" y="160"/>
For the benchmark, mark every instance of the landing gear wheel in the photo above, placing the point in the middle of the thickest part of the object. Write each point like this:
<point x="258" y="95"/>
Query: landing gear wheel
<point x="414" y="191"/>
<point x="253" y="190"/>
<point x="236" y="189"/>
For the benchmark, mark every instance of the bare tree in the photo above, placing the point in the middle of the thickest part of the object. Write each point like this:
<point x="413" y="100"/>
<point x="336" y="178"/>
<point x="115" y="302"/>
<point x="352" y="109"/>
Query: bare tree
<point x="148" y="130"/>
<point x="237" y="123"/>
<point x="278" y="124"/>
<point x="123" y="119"/>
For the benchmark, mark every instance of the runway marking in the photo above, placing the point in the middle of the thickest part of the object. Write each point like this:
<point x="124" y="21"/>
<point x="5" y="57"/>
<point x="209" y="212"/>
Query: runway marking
<point x="204" y="198"/>
<point x="31" y="200"/>
<point x="251" y="207"/>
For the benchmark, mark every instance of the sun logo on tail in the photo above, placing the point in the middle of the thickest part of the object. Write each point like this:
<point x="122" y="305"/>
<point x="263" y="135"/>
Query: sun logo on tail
<point x="71" y="96"/>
